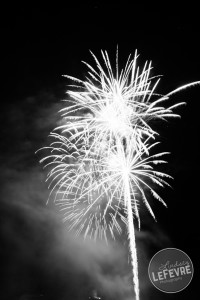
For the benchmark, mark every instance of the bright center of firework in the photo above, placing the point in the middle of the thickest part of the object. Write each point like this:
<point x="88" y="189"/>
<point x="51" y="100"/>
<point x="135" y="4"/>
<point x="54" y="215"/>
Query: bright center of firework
<point x="116" y="117"/>
<point x="118" y="163"/>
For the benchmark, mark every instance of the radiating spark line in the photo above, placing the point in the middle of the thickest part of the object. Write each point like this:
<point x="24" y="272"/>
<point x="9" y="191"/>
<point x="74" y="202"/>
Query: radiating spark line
<point x="100" y="164"/>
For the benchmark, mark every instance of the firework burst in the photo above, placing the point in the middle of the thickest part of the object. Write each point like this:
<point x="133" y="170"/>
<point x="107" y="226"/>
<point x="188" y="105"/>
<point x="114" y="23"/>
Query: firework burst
<point x="100" y="161"/>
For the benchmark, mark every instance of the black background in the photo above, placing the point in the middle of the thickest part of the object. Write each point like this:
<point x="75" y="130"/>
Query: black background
<point x="39" y="44"/>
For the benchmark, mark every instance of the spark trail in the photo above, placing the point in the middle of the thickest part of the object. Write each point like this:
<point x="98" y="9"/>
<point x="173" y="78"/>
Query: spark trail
<point x="100" y="161"/>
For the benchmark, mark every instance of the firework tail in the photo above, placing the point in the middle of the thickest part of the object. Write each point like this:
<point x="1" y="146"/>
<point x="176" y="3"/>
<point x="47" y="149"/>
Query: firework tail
<point x="131" y="237"/>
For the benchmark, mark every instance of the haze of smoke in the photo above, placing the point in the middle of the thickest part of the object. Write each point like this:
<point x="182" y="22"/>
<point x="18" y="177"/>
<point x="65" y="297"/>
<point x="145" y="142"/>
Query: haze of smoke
<point x="40" y="255"/>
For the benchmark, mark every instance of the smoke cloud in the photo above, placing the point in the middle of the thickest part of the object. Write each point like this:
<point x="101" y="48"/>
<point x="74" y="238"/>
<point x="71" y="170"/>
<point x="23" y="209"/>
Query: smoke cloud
<point x="39" y="256"/>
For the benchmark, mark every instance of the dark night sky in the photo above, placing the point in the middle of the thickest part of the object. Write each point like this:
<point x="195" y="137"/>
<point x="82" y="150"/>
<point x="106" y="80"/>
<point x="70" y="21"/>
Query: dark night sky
<point x="39" y="45"/>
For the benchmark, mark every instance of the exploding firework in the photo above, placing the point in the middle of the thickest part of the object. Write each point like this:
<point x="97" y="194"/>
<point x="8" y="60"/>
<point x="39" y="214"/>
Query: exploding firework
<point x="101" y="162"/>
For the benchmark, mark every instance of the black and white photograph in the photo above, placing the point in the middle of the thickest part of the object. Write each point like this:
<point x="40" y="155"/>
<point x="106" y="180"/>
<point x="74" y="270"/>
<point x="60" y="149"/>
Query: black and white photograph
<point x="99" y="151"/>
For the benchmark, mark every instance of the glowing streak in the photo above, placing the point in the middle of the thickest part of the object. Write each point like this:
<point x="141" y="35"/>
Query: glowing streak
<point x="132" y="243"/>
<point x="100" y="164"/>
